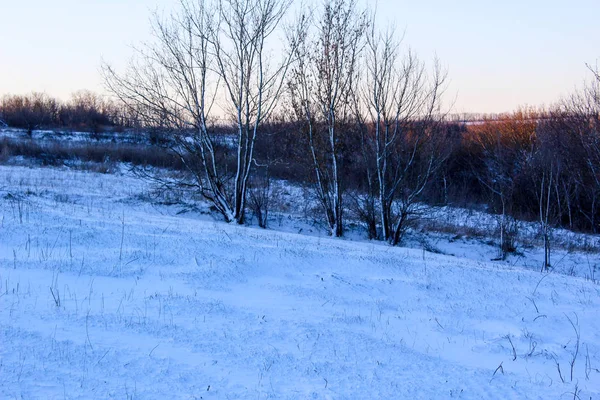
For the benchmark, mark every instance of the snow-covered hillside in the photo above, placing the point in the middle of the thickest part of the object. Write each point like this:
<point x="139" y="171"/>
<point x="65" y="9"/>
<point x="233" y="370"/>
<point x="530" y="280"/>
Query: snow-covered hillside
<point x="106" y="295"/>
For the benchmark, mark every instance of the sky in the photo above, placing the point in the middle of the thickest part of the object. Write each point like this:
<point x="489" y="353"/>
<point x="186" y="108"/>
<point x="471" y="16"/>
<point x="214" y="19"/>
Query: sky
<point x="499" y="54"/>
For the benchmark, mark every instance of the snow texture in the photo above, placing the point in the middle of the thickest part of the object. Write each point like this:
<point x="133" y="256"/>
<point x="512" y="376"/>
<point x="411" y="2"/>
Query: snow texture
<point x="104" y="294"/>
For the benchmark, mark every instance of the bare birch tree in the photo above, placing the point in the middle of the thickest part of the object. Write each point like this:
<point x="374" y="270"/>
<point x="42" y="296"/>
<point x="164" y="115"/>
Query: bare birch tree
<point x="252" y="86"/>
<point x="400" y="102"/>
<point x="321" y="86"/>
<point x="198" y="55"/>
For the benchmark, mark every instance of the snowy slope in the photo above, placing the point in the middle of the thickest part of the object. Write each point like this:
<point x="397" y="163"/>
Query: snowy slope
<point x="103" y="295"/>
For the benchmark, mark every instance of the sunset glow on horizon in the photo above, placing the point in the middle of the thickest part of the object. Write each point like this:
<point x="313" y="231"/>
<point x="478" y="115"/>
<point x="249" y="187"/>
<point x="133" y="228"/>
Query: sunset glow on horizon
<point x="499" y="55"/>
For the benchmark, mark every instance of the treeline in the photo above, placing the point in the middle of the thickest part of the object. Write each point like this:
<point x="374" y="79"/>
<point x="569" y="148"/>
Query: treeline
<point x="349" y="112"/>
<point x="535" y="165"/>
<point x="85" y="111"/>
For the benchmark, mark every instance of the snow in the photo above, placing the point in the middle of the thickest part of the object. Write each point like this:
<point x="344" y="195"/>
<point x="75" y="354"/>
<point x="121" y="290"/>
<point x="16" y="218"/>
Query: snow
<point x="67" y="137"/>
<point x="104" y="294"/>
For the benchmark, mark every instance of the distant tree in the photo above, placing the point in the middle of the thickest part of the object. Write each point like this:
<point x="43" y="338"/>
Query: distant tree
<point x="502" y="148"/>
<point x="86" y="111"/>
<point x="544" y="172"/>
<point x="29" y="112"/>
<point x="581" y="113"/>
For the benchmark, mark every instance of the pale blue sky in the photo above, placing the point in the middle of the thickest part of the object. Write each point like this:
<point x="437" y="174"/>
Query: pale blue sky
<point x="500" y="54"/>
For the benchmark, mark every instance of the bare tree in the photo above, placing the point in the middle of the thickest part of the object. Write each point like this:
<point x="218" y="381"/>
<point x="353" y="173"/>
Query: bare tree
<point x="168" y="86"/>
<point x="253" y="88"/>
<point x="32" y="111"/>
<point x="498" y="177"/>
<point x="544" y="195"/>
<point x="197" y="56"/>
<point x="400" y="102"/>
<point x="261" y="194"/>
<point x="322" y="82"/>
<point x="583" y="113"/>
<point x="86" y="111"/>
<point x="505" y="147"/>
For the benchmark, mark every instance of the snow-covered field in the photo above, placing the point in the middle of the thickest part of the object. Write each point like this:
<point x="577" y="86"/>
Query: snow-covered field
<point x="106" y="295"/>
